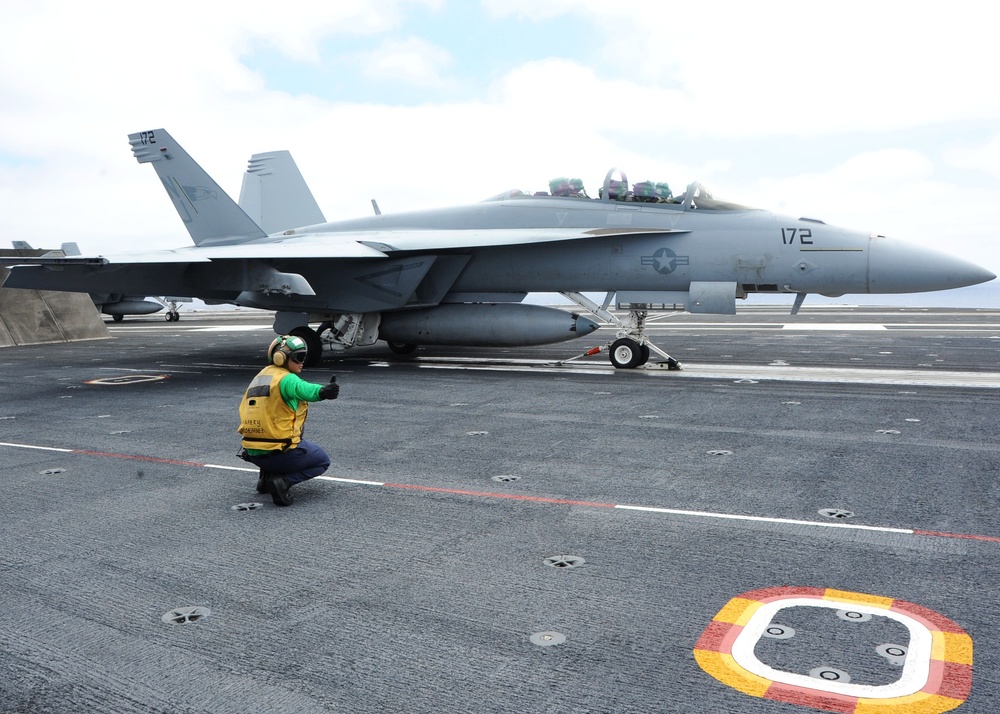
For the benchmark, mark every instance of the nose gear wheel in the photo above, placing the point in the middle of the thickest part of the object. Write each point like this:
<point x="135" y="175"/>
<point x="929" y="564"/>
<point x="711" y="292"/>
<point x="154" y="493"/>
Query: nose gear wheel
<point x="626" y="353"/>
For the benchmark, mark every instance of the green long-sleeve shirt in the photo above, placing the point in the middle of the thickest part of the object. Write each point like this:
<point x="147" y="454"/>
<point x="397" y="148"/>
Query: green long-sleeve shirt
<point x="294" y="389"/>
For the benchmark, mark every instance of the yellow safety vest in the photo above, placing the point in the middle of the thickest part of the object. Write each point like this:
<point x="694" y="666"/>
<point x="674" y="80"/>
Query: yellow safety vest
<point x="266" y="421"/>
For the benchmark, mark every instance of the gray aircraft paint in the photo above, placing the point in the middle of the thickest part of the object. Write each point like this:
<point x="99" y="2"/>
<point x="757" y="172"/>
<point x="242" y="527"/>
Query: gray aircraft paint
<point x="698" y="254"/>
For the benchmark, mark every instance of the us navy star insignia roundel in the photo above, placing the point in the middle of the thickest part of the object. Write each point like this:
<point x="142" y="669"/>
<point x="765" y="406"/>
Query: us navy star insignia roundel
<point x="665" y="261"/>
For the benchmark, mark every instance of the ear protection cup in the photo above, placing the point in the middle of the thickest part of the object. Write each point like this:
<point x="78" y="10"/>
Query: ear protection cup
<point x="282" y="347"/>
<point x="276" y="355"/>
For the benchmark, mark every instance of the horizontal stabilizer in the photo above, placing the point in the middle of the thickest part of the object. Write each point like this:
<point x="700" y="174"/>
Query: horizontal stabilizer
<point x="211" y="216"/>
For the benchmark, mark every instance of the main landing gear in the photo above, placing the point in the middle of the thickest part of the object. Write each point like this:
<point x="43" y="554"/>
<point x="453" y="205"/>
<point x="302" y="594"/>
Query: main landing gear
<point x="631" y="348"/>
<point x="342" y="332"/>
<point x="172" y="315"/>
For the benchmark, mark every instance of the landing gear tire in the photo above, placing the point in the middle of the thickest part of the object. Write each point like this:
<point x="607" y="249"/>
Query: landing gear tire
<point x="172" y="317"/>
<point x="314" y="344"/>
<point x="117" y="318"/>
<point x="644" y="351"/>
<point x="626" y="354"/>
<point x="401" y="348"/>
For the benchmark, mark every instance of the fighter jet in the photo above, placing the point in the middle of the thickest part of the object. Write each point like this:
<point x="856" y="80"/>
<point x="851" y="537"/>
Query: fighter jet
<point x="458" y="276"/>
<point x="119" y="306"/>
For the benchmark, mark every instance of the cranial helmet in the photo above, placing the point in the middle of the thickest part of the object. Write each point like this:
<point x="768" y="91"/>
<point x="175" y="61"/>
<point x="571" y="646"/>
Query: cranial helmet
<point x="283" y="347"/>
<point x="644" y="189"/>
<point x="560" y="186"/>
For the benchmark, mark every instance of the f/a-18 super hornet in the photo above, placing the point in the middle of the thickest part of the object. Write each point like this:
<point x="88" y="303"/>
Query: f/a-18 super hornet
<point x="458" y="276"/>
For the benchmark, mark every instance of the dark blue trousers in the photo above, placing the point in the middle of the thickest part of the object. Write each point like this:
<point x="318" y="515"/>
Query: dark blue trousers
<point x="306" y="461"/>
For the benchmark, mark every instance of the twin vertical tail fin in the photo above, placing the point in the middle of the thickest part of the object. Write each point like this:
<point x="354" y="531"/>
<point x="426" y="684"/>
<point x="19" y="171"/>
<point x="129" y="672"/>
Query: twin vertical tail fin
<point x="211" y="216"/>
<point x="275" y="195"/>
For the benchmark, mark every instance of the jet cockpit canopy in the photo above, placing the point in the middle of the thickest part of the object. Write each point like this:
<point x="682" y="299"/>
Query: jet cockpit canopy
<point x="699" y="197"/>
<point x="695" y="197"/>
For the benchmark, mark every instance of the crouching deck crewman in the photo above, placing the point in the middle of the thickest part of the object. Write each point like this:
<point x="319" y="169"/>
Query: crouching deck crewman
<point x="272" y="415"/>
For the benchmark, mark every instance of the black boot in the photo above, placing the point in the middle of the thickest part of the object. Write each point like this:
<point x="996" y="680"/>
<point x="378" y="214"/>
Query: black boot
<point x="277" y="485"/>
<point x="262" y="481"/>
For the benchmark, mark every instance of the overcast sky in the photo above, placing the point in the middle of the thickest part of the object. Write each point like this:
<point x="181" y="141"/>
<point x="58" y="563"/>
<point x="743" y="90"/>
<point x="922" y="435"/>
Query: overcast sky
<point x="881" y="116"/>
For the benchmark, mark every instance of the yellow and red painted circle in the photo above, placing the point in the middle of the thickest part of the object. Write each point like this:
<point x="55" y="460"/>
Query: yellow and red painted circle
<point x="936" y="676"/>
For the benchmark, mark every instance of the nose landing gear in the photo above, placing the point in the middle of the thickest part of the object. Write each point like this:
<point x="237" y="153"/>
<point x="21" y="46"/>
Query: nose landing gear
<point x="631" y="349"/>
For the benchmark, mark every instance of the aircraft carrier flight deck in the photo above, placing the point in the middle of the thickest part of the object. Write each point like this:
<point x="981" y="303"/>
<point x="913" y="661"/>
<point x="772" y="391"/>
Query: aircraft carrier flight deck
<point x="805" y="518"/>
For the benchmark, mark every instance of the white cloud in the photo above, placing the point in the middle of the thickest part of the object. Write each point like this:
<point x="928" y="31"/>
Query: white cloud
<point x="985" y="158"/>
<point x="412" y="61"/>
<point x="782" y="66"/>
<point x="558" y="95"/>
<point x="856" y="187"/>
<point x="297" y="30"/>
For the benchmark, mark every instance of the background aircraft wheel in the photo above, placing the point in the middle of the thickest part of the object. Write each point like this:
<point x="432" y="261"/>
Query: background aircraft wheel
<point x="401" y="348"/>
<point x="313" y="343"/>
<point x="117" y="318"/>
<point x="625" y="353"/>
<point x="644" y="354"/>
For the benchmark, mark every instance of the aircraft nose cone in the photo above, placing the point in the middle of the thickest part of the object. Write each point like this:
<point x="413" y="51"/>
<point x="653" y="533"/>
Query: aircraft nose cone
<point x="584" y="325"/>
<point x="898" y="267"/>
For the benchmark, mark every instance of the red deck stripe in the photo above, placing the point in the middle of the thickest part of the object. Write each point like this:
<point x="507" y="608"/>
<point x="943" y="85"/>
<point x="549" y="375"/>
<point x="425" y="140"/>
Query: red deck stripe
<point x="941" y="534"/>
<point x="137" y="458"/>
<point x="513" y="496"/>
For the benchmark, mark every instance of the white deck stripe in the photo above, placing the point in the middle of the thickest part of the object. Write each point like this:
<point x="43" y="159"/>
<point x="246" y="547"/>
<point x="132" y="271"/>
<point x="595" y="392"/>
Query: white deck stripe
<point x="765" y="519"/>
<point x="40" y="448"/>
<point x="351" y="480"/>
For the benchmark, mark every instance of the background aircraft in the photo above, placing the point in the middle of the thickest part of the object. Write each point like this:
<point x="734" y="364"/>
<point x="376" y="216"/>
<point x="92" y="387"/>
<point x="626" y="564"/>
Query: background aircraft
<point x="119" y="306"/>
<point x="457" y="276"/>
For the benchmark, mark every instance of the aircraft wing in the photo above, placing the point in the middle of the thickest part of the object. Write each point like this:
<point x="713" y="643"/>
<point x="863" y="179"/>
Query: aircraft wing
<point x="421" y="240"/>
<point x="340" y="246"/>
<point x="338" y="271"/>
<point x="284" y="250"/>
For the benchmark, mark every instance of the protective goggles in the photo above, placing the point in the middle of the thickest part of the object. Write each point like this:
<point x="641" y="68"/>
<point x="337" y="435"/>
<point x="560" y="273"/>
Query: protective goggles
<point x="298" y="357"/>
